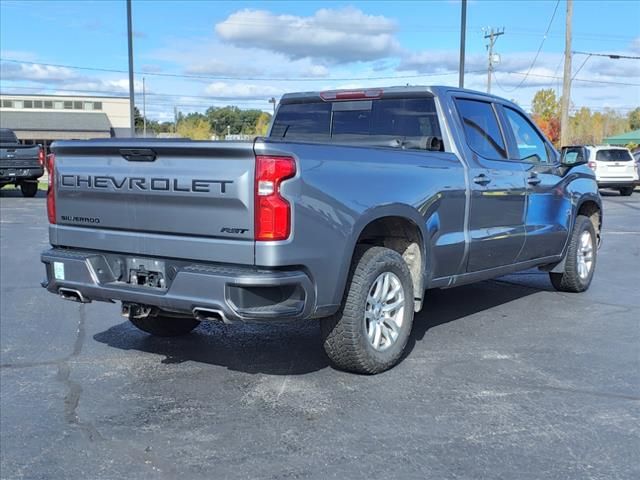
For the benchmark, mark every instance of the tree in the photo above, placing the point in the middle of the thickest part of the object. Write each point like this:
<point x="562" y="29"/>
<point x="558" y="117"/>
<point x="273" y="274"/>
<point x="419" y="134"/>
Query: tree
<point x="550" y="127"/>
<point x="195" y="126"/>
<point x="634" y="119"/>
<point x="545" y="104"/>
<point x="262" y="124"/>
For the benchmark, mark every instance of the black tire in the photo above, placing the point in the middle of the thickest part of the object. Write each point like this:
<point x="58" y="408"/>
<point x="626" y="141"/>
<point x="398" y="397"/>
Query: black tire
<point x="344" y="334"/>
<point x="29" y="189"/>
<point x="166" y="326"/>
<point x="570" y="280"/>
<point x="626" y="191"/>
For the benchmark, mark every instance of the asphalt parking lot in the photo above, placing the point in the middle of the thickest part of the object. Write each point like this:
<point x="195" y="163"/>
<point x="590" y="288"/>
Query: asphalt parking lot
<point x="505" y="379"/>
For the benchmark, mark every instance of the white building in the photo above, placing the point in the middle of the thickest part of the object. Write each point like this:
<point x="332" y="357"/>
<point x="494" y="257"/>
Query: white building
<point x="45" y="118"/>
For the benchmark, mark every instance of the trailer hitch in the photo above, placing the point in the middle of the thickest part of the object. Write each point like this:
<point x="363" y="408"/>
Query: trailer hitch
<point x="135" y="310"/>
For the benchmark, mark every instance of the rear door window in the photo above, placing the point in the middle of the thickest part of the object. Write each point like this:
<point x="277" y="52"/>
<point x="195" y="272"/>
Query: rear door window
<point x="481" y="128"/>
<point x="613" y="155"/>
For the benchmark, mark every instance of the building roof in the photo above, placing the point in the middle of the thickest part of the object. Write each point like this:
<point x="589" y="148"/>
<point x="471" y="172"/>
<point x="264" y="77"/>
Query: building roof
<point x="55" y="121"/>
<point x="624" y="138"/>
<point x="59" y="95"/>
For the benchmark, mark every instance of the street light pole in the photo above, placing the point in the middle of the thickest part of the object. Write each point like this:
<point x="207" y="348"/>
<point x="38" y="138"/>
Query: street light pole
<point x="273" y="100"/>
<point x="131" y="92"/>
<point x="463" y="33"/>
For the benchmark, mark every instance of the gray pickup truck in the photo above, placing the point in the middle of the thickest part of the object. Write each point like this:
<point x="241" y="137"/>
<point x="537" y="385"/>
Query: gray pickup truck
<point x="20" y="165"/>
<point x="354" y="206"/>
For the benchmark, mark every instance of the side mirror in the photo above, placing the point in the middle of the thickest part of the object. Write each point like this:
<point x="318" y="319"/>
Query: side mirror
<point x="572" y="156"/>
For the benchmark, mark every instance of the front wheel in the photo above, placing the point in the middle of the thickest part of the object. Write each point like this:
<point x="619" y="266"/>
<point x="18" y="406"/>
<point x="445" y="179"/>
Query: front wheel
<point x="580" y="262"/>
<point x="370" y="331"/>
<point x="163" y="326"/>
<point x="626" y="191"/>
<point x="29" y="189"/>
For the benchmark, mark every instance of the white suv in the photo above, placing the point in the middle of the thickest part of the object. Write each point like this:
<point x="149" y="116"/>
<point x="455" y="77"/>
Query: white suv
<point x="614" y="167"/>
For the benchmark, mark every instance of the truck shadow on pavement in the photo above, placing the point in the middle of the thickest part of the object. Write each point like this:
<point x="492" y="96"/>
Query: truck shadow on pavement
<point x="295" y="348"/>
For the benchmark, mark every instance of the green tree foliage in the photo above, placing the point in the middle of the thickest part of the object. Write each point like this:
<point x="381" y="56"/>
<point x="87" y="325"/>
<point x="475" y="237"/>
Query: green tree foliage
<point x="238" y="121"/>
<point x="545" y="105"/>
<point x="262" y="124"/>
<point x="195" y="126"/>
<point x="634" y="119"/>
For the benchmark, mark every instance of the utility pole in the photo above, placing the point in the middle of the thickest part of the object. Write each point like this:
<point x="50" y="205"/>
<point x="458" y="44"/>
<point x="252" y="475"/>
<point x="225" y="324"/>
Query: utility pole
<point x="463" y="33"/>
<point x="492" y="36"/>
<point x="565" y="100"/>
<point x="144" y="109"/>
<point x="131" y="93"/>
<point x="273" y="100"/>
<point x="175" y="119"/>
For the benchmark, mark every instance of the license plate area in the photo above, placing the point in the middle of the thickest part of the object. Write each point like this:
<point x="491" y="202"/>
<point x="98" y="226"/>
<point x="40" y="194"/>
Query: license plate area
<point x="145" y="272"/>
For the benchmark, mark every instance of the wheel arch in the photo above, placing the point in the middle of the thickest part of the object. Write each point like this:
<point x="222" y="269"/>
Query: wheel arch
<point x="398" y="227"/>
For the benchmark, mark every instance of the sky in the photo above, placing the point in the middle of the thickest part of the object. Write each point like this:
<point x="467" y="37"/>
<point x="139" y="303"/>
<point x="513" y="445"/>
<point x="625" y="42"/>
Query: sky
<point x="196" y="54"/>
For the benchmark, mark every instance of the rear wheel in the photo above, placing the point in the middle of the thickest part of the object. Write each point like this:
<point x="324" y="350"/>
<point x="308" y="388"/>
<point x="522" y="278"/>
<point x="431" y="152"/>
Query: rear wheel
<point x="580" y="262"/>
<point x="371" y="329"/>
<point x="165" y="326"/>
<point x="29" y="189"/>
<point x="626" y="191"/>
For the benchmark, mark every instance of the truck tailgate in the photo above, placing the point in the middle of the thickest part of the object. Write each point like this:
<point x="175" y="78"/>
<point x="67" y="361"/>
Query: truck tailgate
<point x="170" y="198"/>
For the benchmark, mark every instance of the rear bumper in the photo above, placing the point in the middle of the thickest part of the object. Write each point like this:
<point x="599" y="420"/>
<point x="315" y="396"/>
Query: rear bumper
<point x="617" y="183"/>
<point x="11" y="175"/>
<point x="235" y="293"/>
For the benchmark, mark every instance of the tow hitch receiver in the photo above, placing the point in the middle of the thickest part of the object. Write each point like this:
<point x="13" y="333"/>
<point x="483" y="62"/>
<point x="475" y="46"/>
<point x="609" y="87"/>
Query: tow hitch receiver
<point x="146" y="273"/>
<point x="134" y="310"/>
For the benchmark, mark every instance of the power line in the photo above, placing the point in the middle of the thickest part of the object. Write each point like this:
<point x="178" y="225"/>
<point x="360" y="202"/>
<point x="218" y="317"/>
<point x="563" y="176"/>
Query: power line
<point x="535" y="58"/>
<point x="613" y="56"/>
<point x="210" y="77"/>
<point x="319" y="79"/>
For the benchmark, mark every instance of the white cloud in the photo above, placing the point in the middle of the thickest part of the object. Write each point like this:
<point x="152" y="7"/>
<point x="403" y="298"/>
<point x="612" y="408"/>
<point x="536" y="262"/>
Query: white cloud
<point x="242" y="90"/>
<point x="35" y="72"/>
<point x="339" y="36"/>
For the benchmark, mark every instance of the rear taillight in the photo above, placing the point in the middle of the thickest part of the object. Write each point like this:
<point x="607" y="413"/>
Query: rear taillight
<point x="592" y="165"/>
<point x="51" y="194"/>
<point x="41" y="157"/>
<point x="272" y="211"/>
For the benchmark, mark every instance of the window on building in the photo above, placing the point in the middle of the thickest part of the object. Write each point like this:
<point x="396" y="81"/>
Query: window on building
<point x="28" y="103"/>
<point x="48" y="104"/>
<point x="58" y="105"/>
<point x="68" y="105"/>
<point x="77" y="105"/>
<point x="88" y="105"/>
<point x="97" y="105"/>
<point x="7" y="103"/>
<point x="37" y="104"/>
<point x="17" y="104"/>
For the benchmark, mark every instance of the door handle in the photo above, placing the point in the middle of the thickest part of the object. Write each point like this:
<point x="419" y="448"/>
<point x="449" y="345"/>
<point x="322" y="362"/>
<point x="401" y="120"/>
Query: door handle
<point x="482" y="179"/>
<point x="533" y="180"/>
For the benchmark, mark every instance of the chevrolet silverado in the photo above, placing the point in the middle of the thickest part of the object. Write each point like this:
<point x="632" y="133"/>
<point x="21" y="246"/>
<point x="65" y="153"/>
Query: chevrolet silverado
<point x="349" y="211"/>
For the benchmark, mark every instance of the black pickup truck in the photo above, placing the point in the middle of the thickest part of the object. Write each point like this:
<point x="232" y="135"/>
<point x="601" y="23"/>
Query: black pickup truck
<point x="20" y="165"/>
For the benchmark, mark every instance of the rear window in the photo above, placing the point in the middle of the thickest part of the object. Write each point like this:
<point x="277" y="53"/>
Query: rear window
<point x="613" y="155"/>
<point x="392" y="118"/>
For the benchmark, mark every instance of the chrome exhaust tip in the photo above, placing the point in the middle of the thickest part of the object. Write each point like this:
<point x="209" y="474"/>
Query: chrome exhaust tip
<point x="72" y="295"/>
<point x="209" y="315"/>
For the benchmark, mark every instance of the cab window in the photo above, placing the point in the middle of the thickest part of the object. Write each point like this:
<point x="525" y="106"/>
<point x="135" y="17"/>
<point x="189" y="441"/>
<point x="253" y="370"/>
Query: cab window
<point x="481" y="128"/>
<point x="531" y="146"/>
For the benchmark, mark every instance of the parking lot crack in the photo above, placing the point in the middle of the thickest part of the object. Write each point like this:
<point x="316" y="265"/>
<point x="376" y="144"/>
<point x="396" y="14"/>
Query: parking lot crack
<point x="74" y="389"/>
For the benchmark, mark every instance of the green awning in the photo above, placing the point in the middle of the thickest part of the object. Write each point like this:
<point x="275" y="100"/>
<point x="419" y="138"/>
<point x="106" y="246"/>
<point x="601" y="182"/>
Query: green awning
<point x="624" y="138"/>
